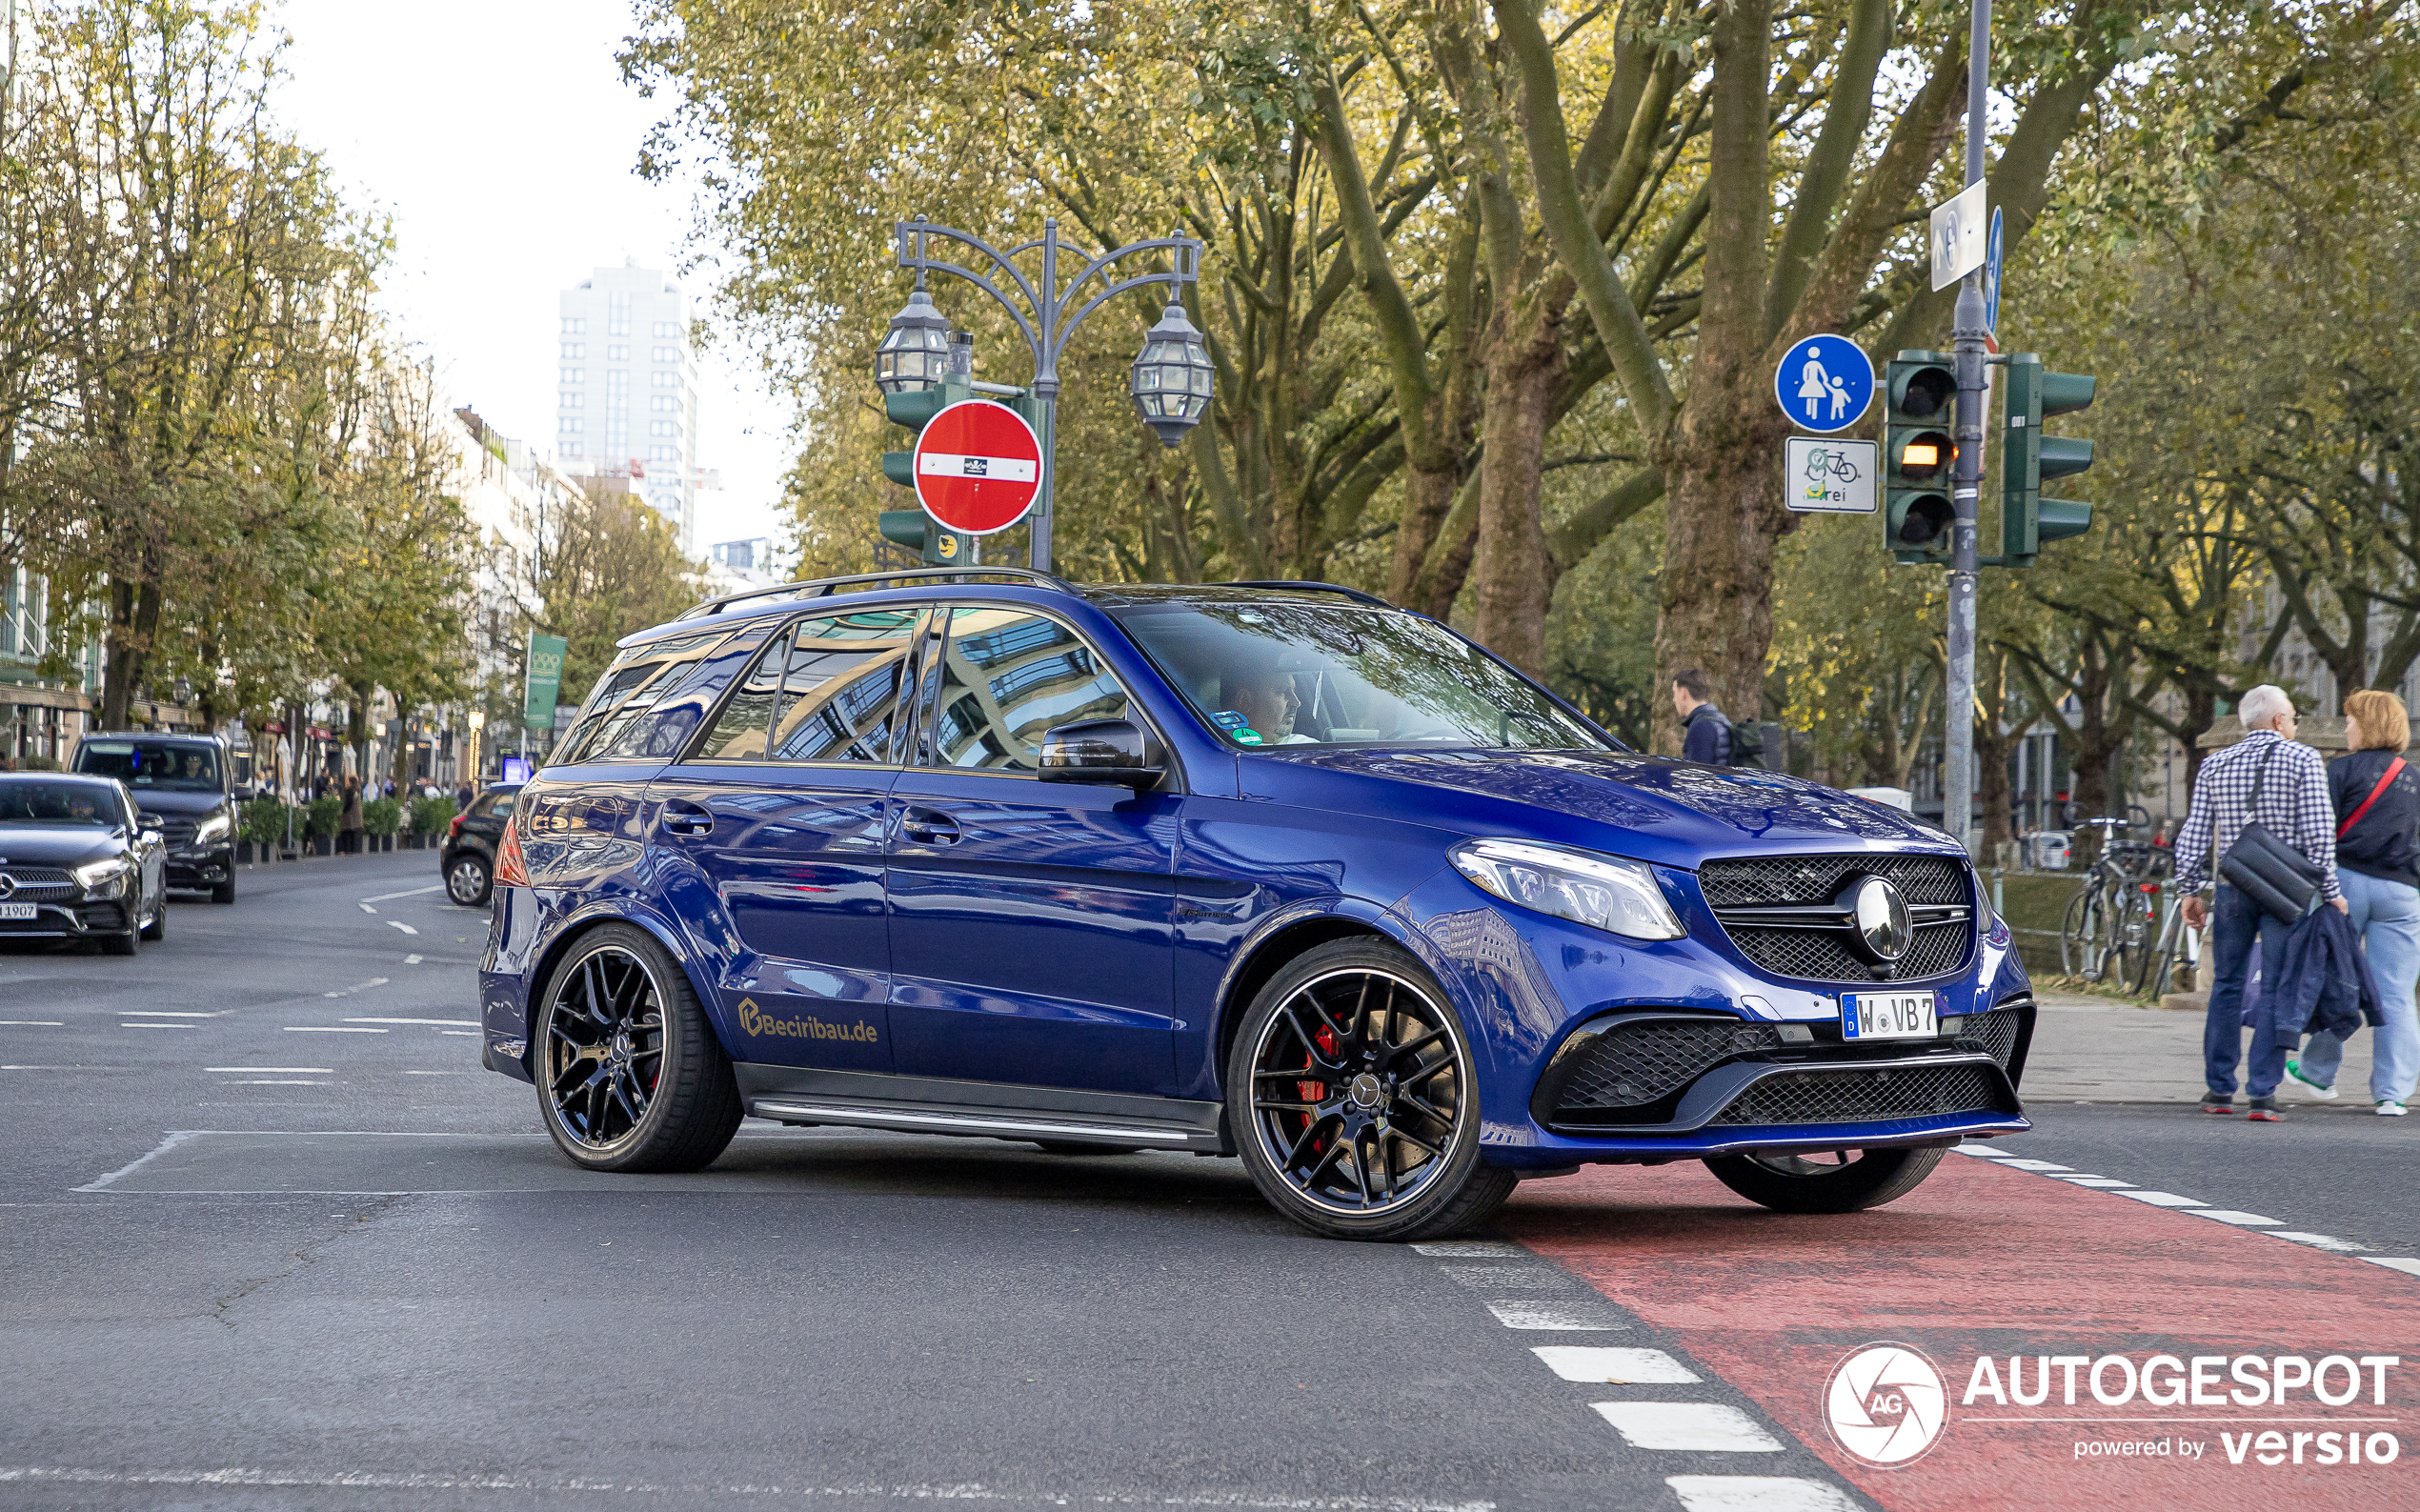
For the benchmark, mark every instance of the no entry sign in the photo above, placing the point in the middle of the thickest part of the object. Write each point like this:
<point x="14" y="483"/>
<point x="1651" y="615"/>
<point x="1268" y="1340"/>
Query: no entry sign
<point x="978" y="468"/>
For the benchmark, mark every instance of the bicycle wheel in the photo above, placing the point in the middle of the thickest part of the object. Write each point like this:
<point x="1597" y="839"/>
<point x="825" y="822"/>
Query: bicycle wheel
<point x="2083" y="935"/>
<point x="2133" y="929"/>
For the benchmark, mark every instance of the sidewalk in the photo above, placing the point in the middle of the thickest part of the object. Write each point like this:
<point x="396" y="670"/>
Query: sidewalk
<point x="2093" y="1050"/>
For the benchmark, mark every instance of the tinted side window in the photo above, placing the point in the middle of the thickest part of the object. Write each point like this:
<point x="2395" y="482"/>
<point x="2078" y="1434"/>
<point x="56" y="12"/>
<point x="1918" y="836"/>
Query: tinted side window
<point x="826" y="690"/>
<point x="1006" y="677"/>
<point x="621" y="720"/>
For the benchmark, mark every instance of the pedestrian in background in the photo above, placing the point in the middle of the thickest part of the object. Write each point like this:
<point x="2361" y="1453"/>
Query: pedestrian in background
<point x="2377" y="794"/>
<point x="1705" y="735"/>
<point x="462" y="797"/>
<point x="349" y="820"/>
<point x="2284" y="785"/>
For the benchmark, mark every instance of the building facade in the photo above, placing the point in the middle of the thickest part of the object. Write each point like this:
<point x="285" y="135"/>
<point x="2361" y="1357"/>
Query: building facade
<point x="626" y="400"/>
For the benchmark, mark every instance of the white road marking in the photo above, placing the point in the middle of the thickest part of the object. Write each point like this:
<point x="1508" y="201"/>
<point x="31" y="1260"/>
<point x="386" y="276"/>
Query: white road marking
<point x="366" y="908"/>
<point x="1517" y="1280"/>
<point x="2342" y="1246"/>
<point x="471" y="1022"/>
<point x="436" y="1073"/>
<point x="401" y="925"/>
<point x="175" y="1137"/>
<point x="2164" y="1198"/>
<point x="161" y="1013"/>
<point x="689" y="1494"/>
<point x="159" y="1026"/>
<point x="1701" y="1426"/>
<point x="2229" y="1215"/>
<point x="409" y="892"/>
<point x="466" y="1033"/>
<point x="2393" y="1262"/>
<point x="411" y="960"/>
<point x="1569" y="1317"/>
<point x="273" y="1083"/>
<point x="327" y="1029"/>
<point x="359" y="986"/>
<point x="1614" y="1368"/>
<point x="1758" y="1493"/>
<point x="2106" y="1184"/>
<point x="2032" y="1165"/>
<point x="1472" y="1249"/>
<point x="33" y="1023"/>
<point x="283" y="1071"/>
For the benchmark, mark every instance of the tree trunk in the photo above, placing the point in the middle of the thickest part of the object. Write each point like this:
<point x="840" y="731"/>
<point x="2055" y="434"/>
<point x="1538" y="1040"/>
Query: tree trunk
<point x="1427" y="499"/>
<point x="135" y="618"/>
<point x="1514" y="576"/>
<point x="1715" y="610"/>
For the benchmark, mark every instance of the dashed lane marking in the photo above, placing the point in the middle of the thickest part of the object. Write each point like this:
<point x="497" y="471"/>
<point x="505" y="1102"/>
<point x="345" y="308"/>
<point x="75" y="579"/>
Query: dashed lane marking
<point x="32" y="1023"/>
<point x="175" y="1137"/>
<point x="359" y="986"/>
<point x="265" y="1082"/>
<point x="1598" y="1366"/>
<point x="1512" y="1280"/>
<point x="1567" y="1317"/>
<point x="1472" y="1249"/>
<point x="1706" y="1427"/>
<point x="327" y="1029"/>
<point x="2229" y="1215"/>
<point x="163" y="1013"/>
<point x="158" y="1026"/>
<point x="1758" y="1493"/>
<point x="2409" y="1266"/>
<point x="2110" y="1184"/>
<point x="396" y="923"/>
<point x="366" y="908"/>
<point x="411" y="960"/>
<point x="2328" y="1241"/>
<point x="443" y="1022"/>
<point x="409" y="892"/>
<point x="2160" y="1199"/>
<point x="281" y="1071"/>
<point x="466" y="1033"/>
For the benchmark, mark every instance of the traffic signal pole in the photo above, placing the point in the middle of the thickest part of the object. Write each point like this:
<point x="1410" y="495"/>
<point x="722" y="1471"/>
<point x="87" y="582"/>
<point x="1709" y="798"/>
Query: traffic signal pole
<point x="1967" y="338"/>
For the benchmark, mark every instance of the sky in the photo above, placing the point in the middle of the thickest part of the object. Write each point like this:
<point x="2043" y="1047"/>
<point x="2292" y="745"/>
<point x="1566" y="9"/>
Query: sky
<point x="500" y="138"/>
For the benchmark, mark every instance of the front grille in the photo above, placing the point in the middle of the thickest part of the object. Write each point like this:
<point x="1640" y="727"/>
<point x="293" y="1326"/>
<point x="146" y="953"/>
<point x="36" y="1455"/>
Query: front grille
<point x="1823" y="954"/>
<point x="1632" y="1065"/>
<point x="39" y="884"/>
<point x="178" y="833"/>
<point x="1862" y="1096"/>
<point x="1994" y="1034"/>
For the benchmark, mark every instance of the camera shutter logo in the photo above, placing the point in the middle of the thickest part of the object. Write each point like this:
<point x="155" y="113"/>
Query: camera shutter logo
<point x="1885" y="1404"/>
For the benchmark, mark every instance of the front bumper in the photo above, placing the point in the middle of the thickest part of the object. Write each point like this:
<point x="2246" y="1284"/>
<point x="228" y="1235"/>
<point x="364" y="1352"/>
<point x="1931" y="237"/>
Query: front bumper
<point x="202" y="867"/>
<point x="68" y="920"/>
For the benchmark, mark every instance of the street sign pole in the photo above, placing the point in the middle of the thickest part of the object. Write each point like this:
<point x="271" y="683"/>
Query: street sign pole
<point x="1968" y="334"/>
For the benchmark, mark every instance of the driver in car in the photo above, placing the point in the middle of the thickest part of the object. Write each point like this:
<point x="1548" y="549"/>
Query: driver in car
<point x="1263" y="692"/>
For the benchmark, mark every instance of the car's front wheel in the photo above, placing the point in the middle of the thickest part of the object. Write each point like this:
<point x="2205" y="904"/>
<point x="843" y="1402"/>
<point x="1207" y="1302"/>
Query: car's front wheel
<point x="467" y="879"/>
<point x="1352" y="1100"/>
<point x="157" y="928"/>
<point x="1831" y="1181"/>
<point x="630" y="1075"/>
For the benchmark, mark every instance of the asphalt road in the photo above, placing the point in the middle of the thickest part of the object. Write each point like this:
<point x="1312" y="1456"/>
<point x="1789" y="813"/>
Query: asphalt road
<point x="271" y="1238"/>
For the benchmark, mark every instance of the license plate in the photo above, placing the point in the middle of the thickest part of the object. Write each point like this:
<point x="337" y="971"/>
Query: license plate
<point x="16" y="911"/>
<point x="1889" y="1015"/>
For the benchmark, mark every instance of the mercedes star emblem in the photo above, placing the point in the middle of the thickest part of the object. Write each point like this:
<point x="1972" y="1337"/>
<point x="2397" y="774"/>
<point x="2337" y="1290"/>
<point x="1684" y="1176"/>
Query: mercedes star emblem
<point x="1881" y="916"/>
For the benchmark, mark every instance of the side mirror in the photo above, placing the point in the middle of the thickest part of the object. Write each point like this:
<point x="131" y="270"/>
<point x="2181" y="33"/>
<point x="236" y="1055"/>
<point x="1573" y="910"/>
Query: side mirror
<point x="151" y="837"/>
<point x="244" y="794"/>
<point x="1113" y="750"/>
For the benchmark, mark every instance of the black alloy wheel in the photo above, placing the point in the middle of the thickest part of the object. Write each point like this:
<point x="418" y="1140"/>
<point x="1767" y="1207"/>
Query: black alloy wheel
<point x="157" y="928"/>
<point x="468" y="881"/>
<point x="630" y="1075"/>
<point x="1827" y="1181"/>
<point x="1351" y="1095"/>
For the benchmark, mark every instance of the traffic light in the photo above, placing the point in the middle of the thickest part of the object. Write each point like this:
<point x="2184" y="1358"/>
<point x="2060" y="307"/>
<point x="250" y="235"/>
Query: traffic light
<point x="2027" y="519"/>
<point x="914" y="409"/>
<point x="1919" y="417"/>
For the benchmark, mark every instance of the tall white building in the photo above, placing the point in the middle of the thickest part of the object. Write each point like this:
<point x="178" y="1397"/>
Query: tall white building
<point x="627" y="402"/>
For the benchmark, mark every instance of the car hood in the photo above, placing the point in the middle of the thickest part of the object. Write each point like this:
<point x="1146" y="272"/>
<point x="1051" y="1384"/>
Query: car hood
<point x="1674" y="812"/>
<point x="184" y="805"/>
<point x="55" y="845"/>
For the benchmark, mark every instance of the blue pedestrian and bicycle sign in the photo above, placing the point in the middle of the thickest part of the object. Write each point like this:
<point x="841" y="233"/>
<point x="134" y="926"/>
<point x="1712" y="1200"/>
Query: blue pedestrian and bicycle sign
<point x="1825" y="383"/>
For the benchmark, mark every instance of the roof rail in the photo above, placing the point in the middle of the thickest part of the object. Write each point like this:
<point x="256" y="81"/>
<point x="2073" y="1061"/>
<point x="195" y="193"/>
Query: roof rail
<point x="1354" y="593"/>
<point x="826" y="587"/>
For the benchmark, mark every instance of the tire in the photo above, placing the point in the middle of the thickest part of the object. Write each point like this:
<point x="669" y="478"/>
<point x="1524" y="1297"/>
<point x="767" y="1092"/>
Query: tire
<point x="224" y="891"/>
<point x="1071" y="1147"/>
<point x="2083" y="935"/>
<point x="2134" y="935"/>
<point x="125" y="943"/>
<point x="613" y="1007"/>
<point x="1788" y="1184"/>
<point x="158" y="929"/>
<point x="469" y="879"/>
<point x="1367" y="1057"/>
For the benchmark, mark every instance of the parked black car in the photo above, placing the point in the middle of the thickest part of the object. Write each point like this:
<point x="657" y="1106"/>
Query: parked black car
<point x="76" y="862"/>
<point x="468" y="867"/>
<point x="183" y="785"/>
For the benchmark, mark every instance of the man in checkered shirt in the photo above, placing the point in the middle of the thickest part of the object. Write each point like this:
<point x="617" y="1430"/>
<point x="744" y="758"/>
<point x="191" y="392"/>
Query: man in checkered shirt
<point x="2295" y="806"/>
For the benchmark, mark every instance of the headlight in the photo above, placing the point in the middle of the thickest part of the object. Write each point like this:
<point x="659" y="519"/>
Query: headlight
<point x="1604" y="892"/>
<point x="217" y="827"/>
<point x="102" y="878"/>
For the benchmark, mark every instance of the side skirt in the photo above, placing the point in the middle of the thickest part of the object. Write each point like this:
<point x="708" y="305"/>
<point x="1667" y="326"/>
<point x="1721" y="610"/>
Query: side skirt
<point x="798" y="1095"/>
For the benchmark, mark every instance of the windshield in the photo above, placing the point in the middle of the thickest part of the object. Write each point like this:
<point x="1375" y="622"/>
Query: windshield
<point x="73" y="803"/>
<point x="1280" y="673"/>
<point x="152" y="765"/>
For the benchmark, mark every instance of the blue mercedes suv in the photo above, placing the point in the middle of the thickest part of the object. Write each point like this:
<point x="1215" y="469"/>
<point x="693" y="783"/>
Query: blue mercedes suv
<point x="1269" y="870"/>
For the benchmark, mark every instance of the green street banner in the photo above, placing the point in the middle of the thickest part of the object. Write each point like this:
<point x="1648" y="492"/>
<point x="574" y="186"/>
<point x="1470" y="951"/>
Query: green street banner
<point x="542" y="681"/>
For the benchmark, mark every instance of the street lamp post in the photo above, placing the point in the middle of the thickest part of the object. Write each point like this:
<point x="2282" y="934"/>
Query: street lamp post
<point x="1169" y="382"/>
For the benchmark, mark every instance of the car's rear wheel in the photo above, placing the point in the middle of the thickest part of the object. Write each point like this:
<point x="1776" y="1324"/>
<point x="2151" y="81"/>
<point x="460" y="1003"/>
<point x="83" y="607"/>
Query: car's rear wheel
<point x="1352" y="1100"/>
<point x="467" y="881"/>
<point x="631" y="1077"/>
<point x="1829" y="1182"/>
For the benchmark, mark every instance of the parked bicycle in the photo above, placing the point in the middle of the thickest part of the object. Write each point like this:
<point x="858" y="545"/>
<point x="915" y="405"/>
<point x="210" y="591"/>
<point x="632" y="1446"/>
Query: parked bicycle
<point x="2111" y="923"/>
<point x="2173" y="964"/>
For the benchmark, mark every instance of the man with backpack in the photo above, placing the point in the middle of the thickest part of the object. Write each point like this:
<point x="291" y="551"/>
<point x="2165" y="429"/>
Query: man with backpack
<point x="1705" y="735"/>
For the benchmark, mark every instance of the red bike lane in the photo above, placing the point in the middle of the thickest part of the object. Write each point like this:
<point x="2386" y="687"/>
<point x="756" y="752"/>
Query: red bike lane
<point x="1983" y="1260"/>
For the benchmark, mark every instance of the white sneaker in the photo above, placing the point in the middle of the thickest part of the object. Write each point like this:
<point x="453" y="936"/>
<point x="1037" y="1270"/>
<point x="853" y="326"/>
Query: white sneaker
<point x="2390" y="1110"/>
<point x="2309" y="1088"/>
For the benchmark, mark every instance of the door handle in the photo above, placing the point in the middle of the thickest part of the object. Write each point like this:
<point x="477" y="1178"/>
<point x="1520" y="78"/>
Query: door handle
<point x="684" y="818"/>
<point x="930" y="827"/>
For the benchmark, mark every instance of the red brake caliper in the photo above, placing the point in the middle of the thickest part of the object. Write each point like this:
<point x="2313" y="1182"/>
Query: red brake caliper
<point x="1314" y="1091"/>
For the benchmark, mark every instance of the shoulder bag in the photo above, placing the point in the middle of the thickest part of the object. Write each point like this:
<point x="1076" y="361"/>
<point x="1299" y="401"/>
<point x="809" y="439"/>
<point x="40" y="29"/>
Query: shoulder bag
<point x="2263" y="866"/>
